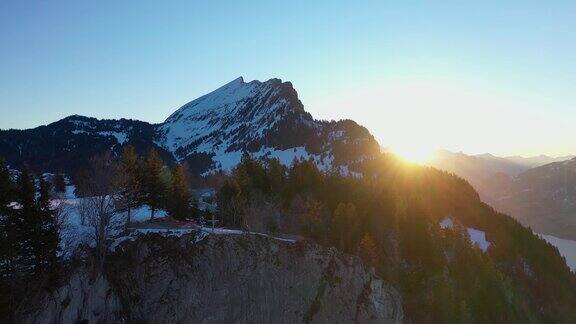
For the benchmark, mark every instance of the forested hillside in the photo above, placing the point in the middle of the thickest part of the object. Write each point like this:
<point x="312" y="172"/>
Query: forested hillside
<point x="396" y="220"/>
<point x="426" y="232"/>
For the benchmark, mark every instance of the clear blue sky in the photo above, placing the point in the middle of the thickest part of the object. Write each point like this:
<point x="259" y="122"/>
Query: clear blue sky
<point x="475" y="76"/>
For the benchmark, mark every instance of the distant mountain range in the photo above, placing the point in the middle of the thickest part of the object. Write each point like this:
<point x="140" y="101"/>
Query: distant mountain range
<point x="538" y="191"/>
<point x="543" y="198"/>
<point x="209" y="133"/>
<point x="535" y="161"/>
<point x="481" y="166"/>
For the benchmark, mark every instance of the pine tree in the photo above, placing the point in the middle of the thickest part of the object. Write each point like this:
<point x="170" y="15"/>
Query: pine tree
<point x="49" y="236"/>
<point x="129" y="180"/>
<point x="27" y="223"/>
<point x="369" y="251"/>
<point x="311" y="219"/>
<point x="59" y="183"/>
<point x="231" y="203"/>
<point x="277" y="175"/>
<point x="10" y="274"/>
<point x="179" y="199"/>
<point x="154" y="188"/>
<point x="43" y="202"/>
<point x="26" y="189"/>
<point x="5" y="184"/>
<point x="7" y="223"/>
<point x="342" y="227"/>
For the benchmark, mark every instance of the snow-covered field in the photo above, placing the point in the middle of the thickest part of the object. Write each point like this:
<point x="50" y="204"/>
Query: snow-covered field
<point x="73" y="233"/>
<point x="567" y="249"/>
<point x="479" y="238"/>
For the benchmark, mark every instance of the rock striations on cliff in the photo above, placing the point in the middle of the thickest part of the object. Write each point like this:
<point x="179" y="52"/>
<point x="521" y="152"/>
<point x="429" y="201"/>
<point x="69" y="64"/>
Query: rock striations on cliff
<point x="223" y="279"/>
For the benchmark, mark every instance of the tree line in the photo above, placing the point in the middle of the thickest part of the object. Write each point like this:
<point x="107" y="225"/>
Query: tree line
<point x="132" y="181"/>
<point x="109" y="187"/>
<point x="29" y="238"/>
<point x="31" y="216"/>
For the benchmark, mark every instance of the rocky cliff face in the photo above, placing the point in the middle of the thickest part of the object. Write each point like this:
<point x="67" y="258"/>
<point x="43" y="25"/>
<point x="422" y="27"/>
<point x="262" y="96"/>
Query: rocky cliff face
<point x="224" y="279"/>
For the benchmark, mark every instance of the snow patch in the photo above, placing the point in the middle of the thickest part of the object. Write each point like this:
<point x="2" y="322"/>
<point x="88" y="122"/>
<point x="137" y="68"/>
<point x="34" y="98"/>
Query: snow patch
<point x="446" y="223"/>
<point x="479" y="238"/>
<point x="286" y="157"/>
<point x="74" y="232"/>
<point x="121" y="137"/>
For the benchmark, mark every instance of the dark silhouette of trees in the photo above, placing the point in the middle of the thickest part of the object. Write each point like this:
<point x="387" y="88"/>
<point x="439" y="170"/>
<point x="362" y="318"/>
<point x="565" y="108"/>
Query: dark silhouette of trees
<point x="129" y="181"/>
<point x="29" y="240"/>
<point x="343" y="226"/>
<point x="5" y="184"/>
<point x="59" y="183"/>
<point x="154" y="188"/>
<point x="310" y="213"/>
<point x="27" y="222"/>
<point x="390" y="218"/>
<point x="231" y="203"/>
<point x="9" y="247"/>
<point x="48" y="237"/>
<point x="179" y="199"/>
<point x="369" y="250"/>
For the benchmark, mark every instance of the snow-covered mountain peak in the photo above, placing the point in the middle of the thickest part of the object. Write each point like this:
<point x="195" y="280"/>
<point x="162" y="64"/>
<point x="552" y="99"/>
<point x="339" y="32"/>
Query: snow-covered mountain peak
<point x="235" y="114"/>
<point x="228" y="96"/>
<point x="265" y="119"/>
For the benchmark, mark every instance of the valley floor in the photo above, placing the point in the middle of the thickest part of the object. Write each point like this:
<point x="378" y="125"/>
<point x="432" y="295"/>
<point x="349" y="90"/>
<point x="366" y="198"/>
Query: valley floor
<point x="567" y="249"/>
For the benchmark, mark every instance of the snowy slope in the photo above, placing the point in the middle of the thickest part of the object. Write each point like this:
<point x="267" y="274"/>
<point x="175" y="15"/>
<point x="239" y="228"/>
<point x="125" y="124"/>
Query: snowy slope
<point x="232" y="115"/>
<point x="264" y="118"/>
<point x="74" y="232"/>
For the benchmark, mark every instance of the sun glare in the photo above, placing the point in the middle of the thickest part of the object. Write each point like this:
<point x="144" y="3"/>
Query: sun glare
<point x="414" y="154"/>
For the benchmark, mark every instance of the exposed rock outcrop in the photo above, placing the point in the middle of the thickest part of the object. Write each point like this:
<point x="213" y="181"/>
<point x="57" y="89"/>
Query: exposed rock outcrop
<point x="224" y="279"/>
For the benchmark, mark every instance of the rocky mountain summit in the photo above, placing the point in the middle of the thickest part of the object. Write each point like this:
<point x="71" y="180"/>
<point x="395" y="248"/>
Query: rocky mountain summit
<point x="211" y="133"/>
<point x="223" y="279"/>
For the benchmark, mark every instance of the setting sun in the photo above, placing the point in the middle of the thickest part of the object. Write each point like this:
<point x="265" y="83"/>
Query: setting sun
<point x="414" y="154"/>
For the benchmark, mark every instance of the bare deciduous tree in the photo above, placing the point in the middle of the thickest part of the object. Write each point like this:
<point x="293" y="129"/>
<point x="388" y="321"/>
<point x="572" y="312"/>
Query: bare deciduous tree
<point x="97" y="205"/>
<point x="98" y="212"/>
<point x="261" y="214"/>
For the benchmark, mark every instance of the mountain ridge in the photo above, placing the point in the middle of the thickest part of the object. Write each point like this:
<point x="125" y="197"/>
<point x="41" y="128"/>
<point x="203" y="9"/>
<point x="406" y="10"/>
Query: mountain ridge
<point x="211" y="132"/>
<point x="543" y="198"/>
<point x="538" y="193"/>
